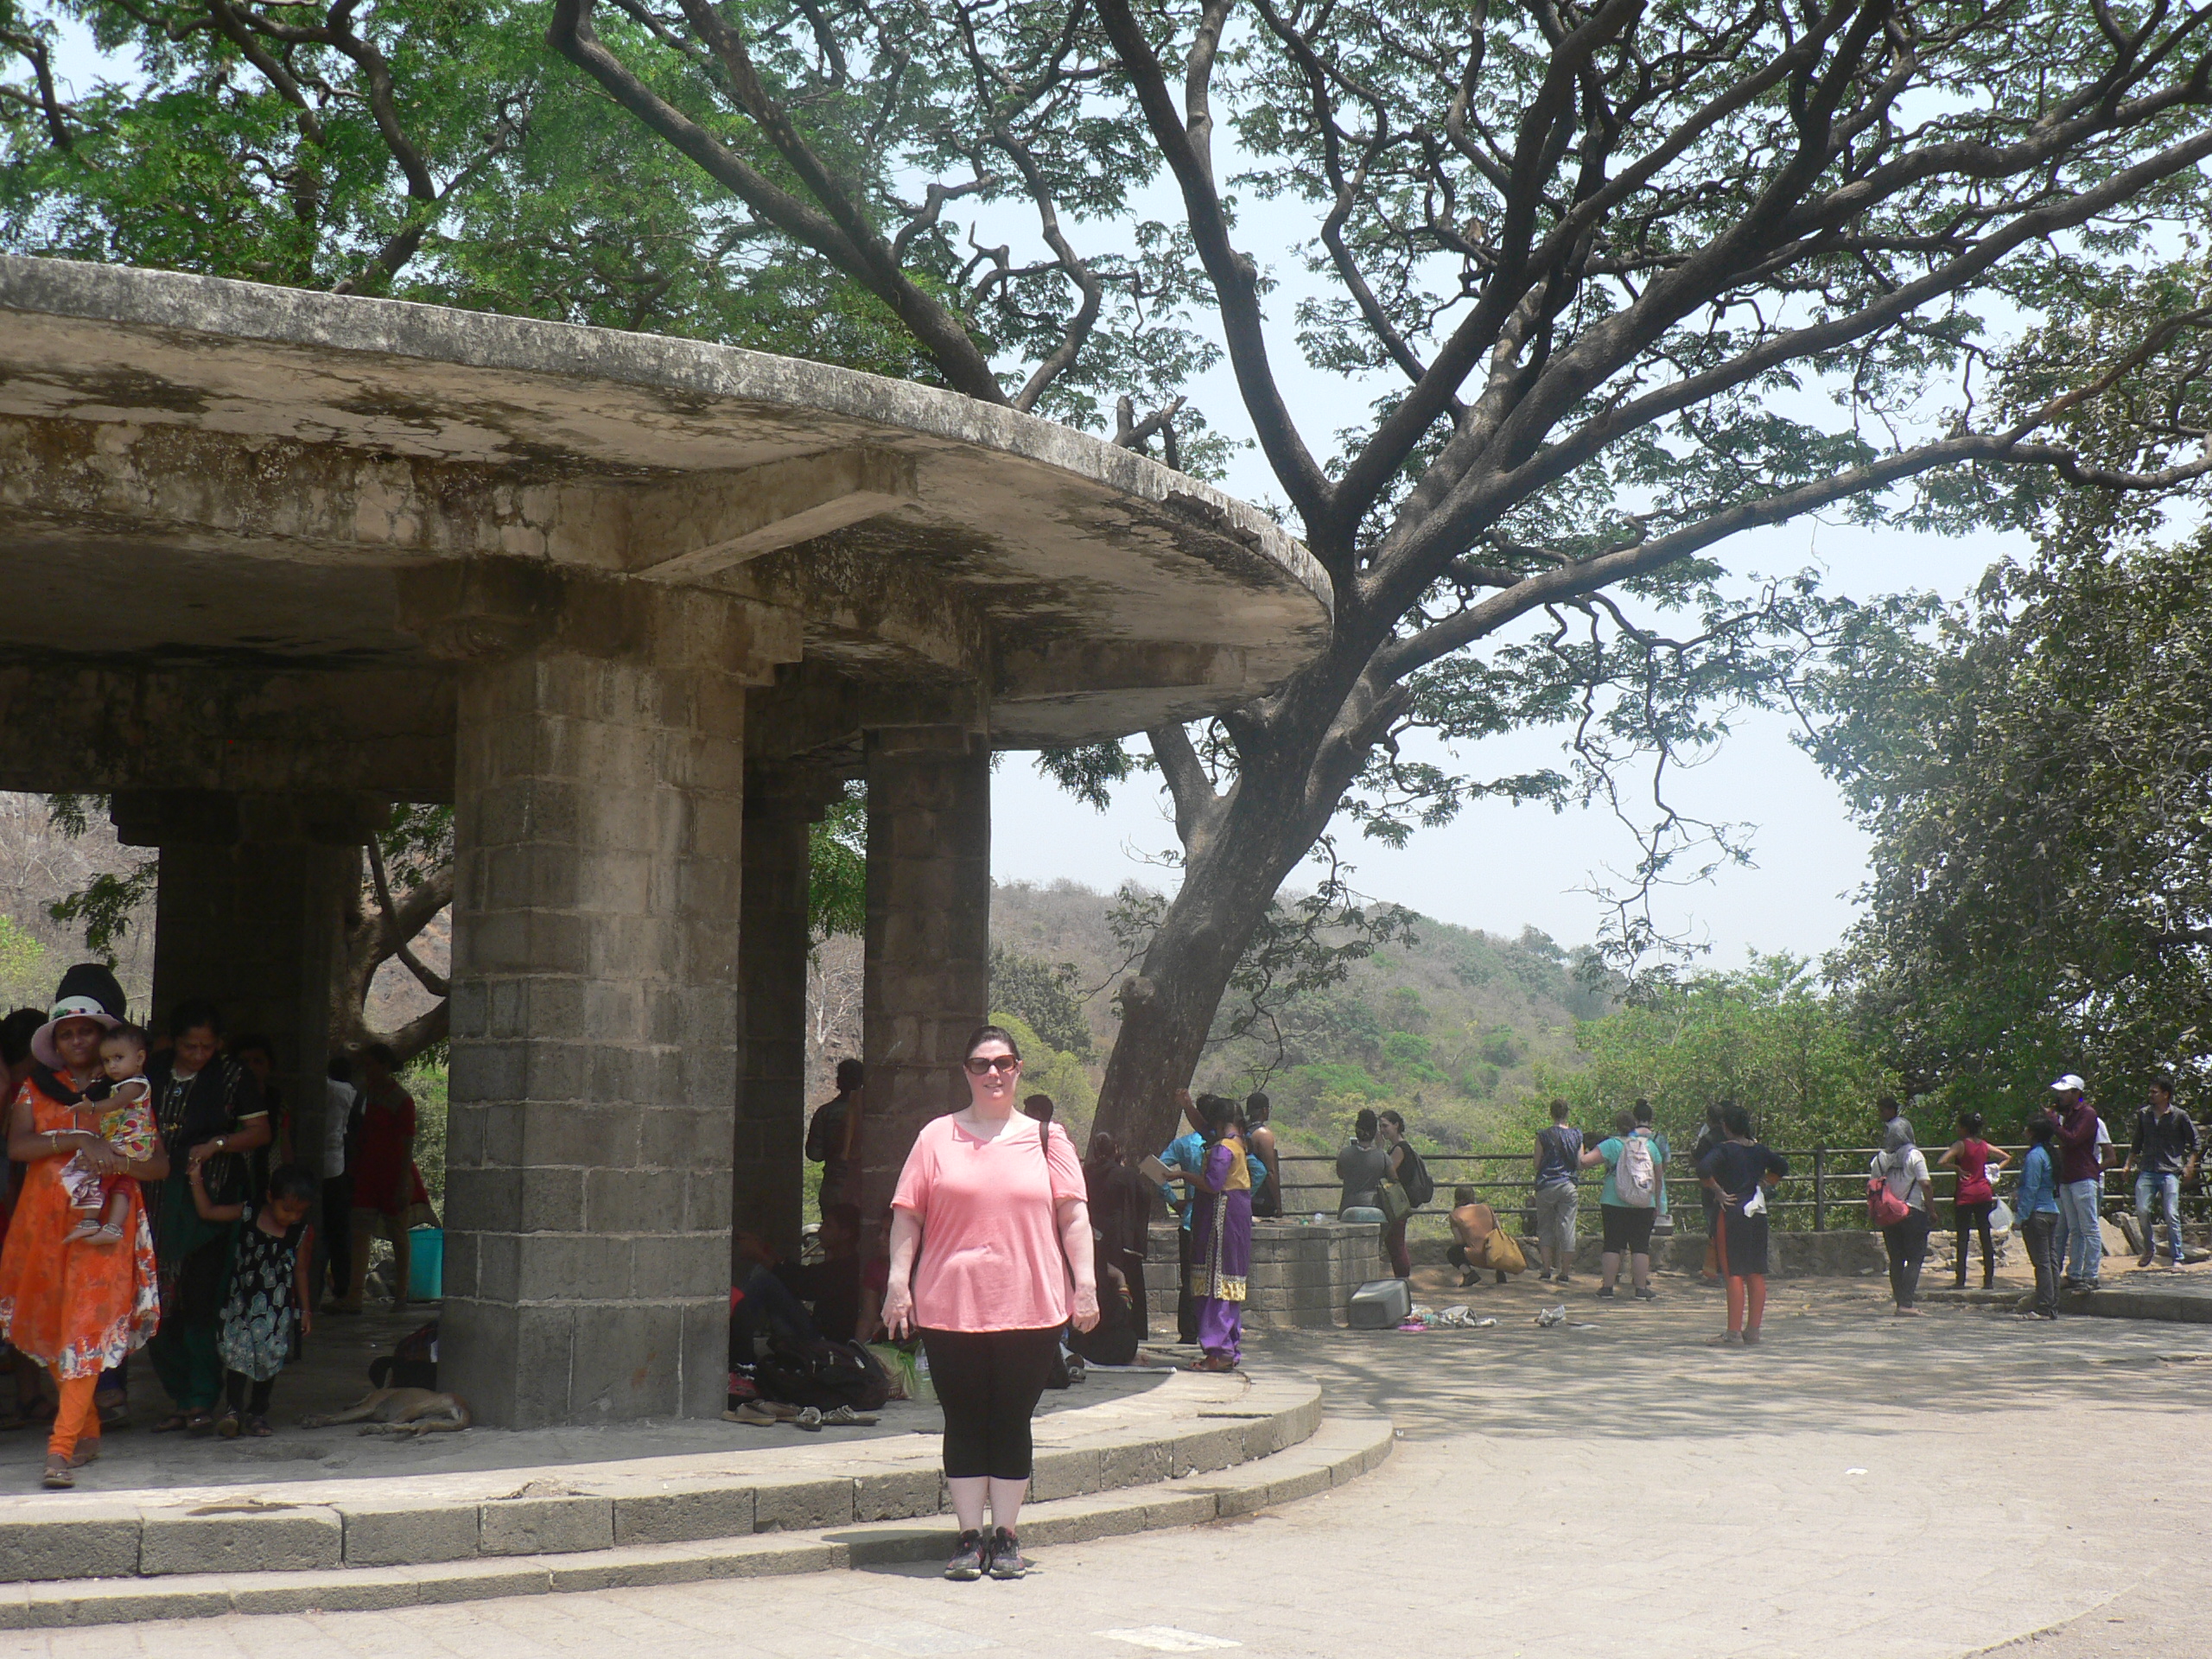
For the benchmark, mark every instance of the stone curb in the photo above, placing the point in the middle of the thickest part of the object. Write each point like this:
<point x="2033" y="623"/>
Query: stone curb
<point x="1190" y="1424"/>
<point x="1338" y="1451"/>
<point x="2113" y="1302"/>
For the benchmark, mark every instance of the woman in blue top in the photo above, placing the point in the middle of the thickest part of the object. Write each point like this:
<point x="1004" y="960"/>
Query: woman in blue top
<point x="2037" y="1205"/>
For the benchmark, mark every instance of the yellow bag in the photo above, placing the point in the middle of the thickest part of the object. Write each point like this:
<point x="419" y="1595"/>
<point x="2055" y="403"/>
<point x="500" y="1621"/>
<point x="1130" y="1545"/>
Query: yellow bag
<point x="1502" y="1255"/>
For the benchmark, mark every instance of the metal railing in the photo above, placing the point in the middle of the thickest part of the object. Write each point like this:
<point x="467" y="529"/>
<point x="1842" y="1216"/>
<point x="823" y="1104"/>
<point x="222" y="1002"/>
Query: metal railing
<point x="1825" y="1185"/>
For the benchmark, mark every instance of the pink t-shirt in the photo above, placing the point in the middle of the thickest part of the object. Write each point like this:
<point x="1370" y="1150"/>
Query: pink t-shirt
<point x="990" y="1257"/>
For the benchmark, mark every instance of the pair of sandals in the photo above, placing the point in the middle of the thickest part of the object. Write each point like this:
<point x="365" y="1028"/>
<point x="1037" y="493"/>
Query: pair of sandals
<point x="765" y="1413"/>
<point x="1213" y="1363"/>
<point x="234" y="1422"/>
<point x="61" y="1473"/>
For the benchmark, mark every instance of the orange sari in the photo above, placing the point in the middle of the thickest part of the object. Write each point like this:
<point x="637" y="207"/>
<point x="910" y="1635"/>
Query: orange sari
<point x="78" y="1308"/>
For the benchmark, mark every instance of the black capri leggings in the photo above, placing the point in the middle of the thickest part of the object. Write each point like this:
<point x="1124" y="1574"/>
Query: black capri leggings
<point x="989" y="1383"/>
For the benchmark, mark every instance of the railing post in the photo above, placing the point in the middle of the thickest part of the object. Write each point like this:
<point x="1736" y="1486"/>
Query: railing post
<point x="1820" y="1189"/>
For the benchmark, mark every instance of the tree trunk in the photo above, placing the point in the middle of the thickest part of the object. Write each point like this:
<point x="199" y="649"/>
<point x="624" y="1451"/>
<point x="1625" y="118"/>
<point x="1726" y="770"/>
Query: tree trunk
<point x="1168" y="1005"/>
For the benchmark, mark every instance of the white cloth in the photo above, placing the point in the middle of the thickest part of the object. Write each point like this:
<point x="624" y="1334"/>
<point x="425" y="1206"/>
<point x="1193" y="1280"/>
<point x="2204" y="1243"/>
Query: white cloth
<point x="337" y="1110"/>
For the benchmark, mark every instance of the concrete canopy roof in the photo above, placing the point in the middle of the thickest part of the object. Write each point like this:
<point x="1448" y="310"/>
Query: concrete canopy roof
<point x="240" y="471"/>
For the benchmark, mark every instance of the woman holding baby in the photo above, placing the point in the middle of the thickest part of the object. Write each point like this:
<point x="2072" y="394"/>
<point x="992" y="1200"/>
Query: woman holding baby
<point x="76" y="1297"/>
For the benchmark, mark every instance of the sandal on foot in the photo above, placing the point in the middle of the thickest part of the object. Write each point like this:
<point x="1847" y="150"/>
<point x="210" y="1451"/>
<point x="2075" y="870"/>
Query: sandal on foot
<point x="58" y="1478"/>
<point x="258" y="1429"/>
<point x="170" y="1424"/>
<point x="87" y="1452"/>
<point x="200" y="1424"/>
<point x="846" y="1417"/>
<point x="1726" y="1339"/>
<point x="226" y="1426"/>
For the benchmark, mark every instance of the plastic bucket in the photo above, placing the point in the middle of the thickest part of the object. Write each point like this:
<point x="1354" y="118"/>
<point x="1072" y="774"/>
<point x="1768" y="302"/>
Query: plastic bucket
<point x="426" y="1264"/>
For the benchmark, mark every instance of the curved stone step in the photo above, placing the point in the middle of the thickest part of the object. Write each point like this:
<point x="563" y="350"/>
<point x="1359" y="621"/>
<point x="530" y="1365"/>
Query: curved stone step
<point x="1340" y="1450"/>
<point x="1190" y="1423"/>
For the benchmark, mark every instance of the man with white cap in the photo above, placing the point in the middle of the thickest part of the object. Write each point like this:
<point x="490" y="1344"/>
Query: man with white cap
<point x="2081" y="1182"/>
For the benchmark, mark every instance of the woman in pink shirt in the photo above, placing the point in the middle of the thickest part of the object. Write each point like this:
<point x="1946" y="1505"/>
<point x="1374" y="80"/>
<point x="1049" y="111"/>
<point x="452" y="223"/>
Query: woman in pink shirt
<point x="992" y="1202"/>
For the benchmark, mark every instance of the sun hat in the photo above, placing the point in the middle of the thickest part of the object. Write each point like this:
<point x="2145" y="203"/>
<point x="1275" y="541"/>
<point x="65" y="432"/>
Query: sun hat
<point x="2069" y="1081"/>
<point x="87" y="991"/>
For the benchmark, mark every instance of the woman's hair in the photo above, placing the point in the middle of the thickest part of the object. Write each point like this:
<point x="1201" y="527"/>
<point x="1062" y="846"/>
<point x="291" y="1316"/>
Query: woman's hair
<point x="1464" y="1195"/>
<point x="1970" y="1121"/>
<point x="16" y="1033"/>
<point x="1362" y="1127"/>
<point x="1736" y="1120"/>
<point x="294" y="1181"/>
<point x="1217" y="1112"/>
<point x="1394" y="1118"/>
<point x="2039" y="1130"/>
<point x="1103" y="1149"/>
<point x="191" y="1015"/>
<point x="1624" y="1122"/>
<point x="850" y="1075"/>
<point x="983" y="1035"/>
<point x="1716" y="1115"/>
<point x="1641" y="1111"/>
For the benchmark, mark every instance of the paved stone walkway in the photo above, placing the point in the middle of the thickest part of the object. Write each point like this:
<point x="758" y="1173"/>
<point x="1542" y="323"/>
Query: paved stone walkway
<point x="1862" y="1486"/>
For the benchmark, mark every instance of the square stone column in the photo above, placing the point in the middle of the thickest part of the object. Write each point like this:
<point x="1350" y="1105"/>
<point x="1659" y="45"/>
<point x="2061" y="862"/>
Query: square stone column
<point x="249" y="914"/>
<point x="599" y="832"/>
<point x="927" y="976"/>
<point x="768" y="1176"/>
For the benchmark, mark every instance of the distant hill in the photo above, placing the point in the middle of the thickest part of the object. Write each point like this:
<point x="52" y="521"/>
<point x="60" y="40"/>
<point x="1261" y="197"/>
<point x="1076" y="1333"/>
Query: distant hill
<point x="1447" y="1028"/>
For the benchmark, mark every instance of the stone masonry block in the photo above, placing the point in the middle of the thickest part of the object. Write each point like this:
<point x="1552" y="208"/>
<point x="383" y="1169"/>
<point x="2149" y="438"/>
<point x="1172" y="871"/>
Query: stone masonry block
<point x="898" y="1495"/>
<point x="568" y="1267"/>
<point x="91" y="1541"/>
<point x="262" y="1540"/>
<point x="1071" y="1472"/>
<point x="676" y="1513"/>
<point x="797" y="1504"/>
<point x="404" y="1535"/>
<point x="1137" y="1463"/>
<point x="630" y="1200"/>
<point x="629" y="1360"/>
<point x="1208" y="1449"/>
<point x="544" y="1526"/>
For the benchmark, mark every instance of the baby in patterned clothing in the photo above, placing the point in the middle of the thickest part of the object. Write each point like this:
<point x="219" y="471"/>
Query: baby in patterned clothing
<point x="269" y="1304"/>
<point x="125" y="1121"/>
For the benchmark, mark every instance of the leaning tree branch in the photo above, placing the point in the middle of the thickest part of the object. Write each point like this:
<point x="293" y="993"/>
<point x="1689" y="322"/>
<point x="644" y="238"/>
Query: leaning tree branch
<point x="866" y="259"/>
<point x="50" y="99"/>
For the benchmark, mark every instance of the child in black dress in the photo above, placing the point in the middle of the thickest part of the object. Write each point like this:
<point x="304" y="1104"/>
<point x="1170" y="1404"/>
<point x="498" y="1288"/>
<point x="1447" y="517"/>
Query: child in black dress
<point x="268" y="1304"/>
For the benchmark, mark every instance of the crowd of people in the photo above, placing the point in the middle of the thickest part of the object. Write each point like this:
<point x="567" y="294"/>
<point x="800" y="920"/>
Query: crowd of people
<point x="153" y="1199"/>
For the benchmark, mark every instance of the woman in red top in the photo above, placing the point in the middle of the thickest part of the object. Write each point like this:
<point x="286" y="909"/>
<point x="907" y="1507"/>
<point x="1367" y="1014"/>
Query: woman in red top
<point x="1976" y="1161"/>
<point x="383" y="1171"/>
<point x="993" y="1203"/>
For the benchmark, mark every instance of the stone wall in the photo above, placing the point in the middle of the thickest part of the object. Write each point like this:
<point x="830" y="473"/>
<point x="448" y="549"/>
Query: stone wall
<point x="1303" y="1273"/>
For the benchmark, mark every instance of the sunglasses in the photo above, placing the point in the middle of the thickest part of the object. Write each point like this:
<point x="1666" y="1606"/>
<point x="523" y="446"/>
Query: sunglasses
<point x="981" y="1064"/>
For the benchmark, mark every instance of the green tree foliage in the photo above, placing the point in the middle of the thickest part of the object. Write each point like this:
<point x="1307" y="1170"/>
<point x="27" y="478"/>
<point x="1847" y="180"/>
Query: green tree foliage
<point x="26" y="978"/>
<point x="1054" y="1072"/>
<point x="1764" y="1036"/>
<point x="431" y="150"/>
<point x="1045" y="994"/>
<point x="2038" y="773"/>
<point x="836" y="873"/>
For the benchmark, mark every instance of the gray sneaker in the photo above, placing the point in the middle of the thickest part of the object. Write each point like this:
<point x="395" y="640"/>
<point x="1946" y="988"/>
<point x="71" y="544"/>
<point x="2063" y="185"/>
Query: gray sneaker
<point x="1007" y="1560"/>
<point x="970" y="1559"/>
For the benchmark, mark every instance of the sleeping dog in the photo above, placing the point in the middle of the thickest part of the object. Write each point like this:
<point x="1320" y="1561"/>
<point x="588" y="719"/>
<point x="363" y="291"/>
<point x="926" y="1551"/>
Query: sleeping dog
<point x="400" y="1411"/>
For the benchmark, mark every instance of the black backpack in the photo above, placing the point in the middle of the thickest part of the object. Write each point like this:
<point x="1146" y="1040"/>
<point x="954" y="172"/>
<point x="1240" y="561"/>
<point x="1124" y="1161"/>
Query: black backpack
<point x="1413" y="1176"/>
<point x="816" y="1372"/>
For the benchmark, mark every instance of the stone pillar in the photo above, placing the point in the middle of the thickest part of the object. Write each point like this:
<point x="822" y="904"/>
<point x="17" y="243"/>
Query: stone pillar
<point x="248" y="914"/>
<point x="768" y="1174"/>
<point x="598" y="832"/>
<point x="927" y="979"/>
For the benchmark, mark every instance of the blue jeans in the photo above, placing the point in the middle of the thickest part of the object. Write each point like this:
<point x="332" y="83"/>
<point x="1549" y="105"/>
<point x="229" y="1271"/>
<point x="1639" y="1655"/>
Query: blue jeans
<point x="2169" y="1188"/>
<point x="2085" y="1245"/>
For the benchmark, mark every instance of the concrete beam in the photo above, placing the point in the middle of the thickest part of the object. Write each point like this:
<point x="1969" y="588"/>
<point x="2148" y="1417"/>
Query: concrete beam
<point x="99" y="727"/>
<point x="699" y="526"/>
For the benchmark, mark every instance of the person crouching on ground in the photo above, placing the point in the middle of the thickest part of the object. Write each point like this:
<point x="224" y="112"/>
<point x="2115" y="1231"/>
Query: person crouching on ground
<point x="270" y="1301"/>
<point x="1221" y="1237"/>
<point x="1474" y="1224"/>
<point x="1739" y="1172"/>
<point x="998" y="1197"/>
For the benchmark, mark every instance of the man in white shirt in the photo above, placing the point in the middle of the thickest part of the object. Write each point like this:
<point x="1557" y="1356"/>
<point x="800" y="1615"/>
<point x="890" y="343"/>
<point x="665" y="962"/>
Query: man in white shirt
<point x="336" y="1235"/>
